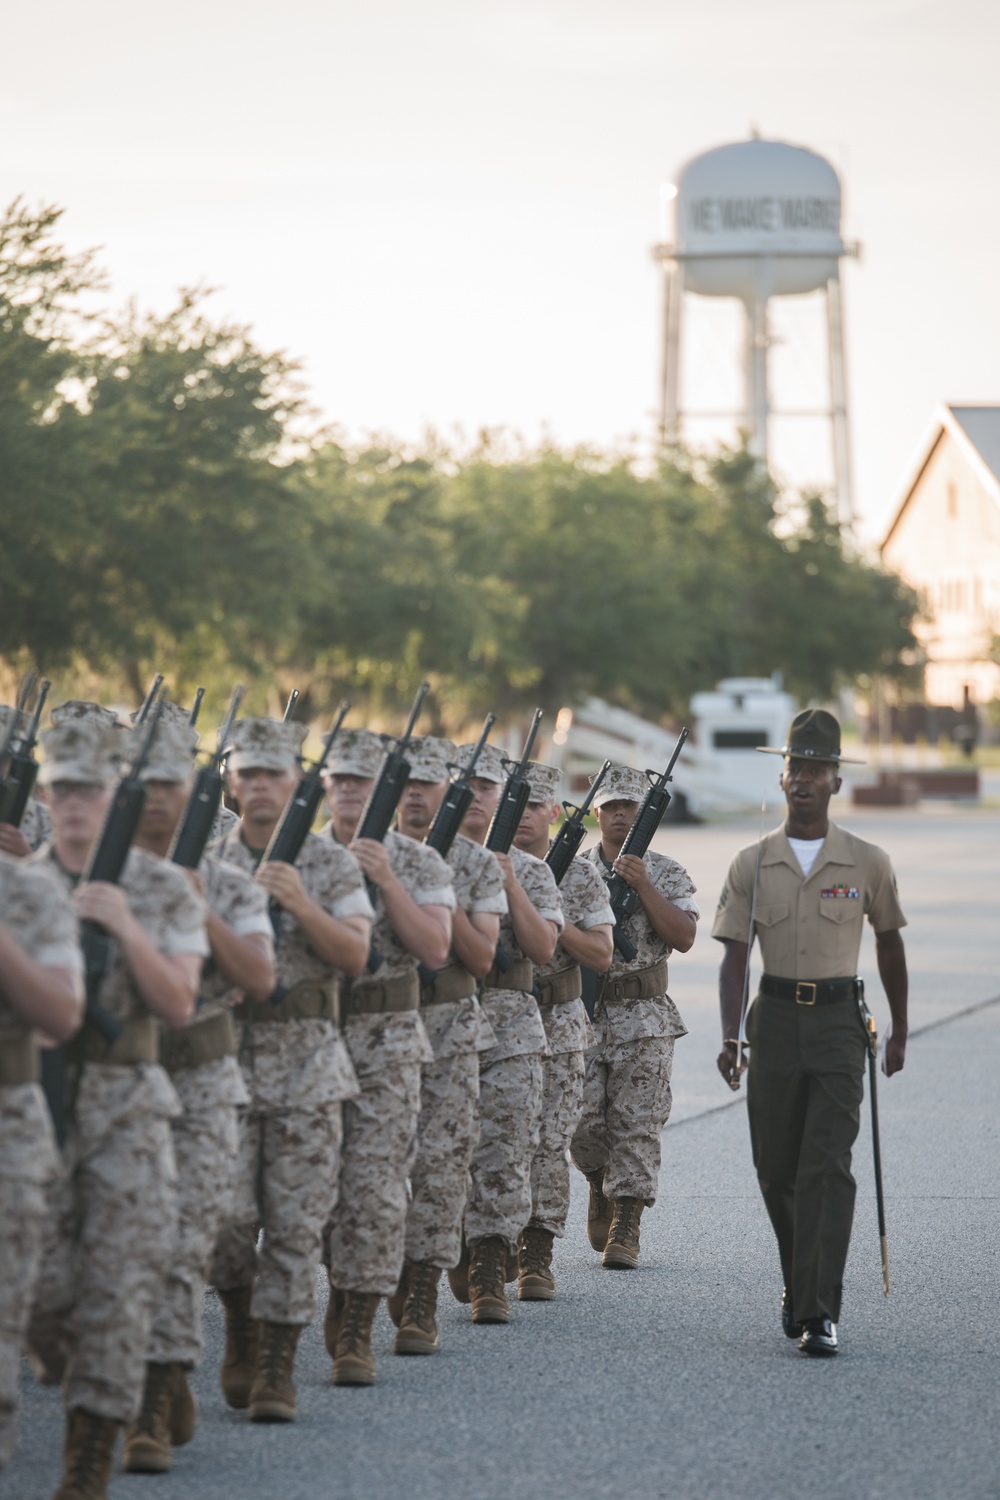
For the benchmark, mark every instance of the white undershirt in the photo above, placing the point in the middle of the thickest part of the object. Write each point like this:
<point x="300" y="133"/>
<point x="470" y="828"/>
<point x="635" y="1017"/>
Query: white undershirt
<point x="805" y="851"/>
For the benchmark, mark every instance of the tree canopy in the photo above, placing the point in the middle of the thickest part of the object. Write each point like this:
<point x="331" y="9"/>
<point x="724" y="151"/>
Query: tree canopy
<point x="166" y="507"/>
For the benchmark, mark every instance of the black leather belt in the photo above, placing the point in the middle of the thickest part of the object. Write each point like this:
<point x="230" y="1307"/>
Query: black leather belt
<point x="808" y="991"/>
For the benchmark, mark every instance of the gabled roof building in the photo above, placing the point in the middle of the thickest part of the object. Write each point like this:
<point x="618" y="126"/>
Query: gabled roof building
<point x="944" y="539"/>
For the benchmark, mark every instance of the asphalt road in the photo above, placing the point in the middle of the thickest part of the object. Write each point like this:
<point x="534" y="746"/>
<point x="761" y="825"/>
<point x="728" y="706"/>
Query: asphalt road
<point x="675" y="1380"/>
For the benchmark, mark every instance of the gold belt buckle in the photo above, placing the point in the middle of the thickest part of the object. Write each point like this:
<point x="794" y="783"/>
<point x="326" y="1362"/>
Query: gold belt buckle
<point x="805" y="984"/>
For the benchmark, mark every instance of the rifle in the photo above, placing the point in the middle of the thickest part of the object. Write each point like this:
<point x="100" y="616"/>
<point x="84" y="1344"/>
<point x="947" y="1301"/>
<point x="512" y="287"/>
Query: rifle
<point x="97" y="945"/>
<point x="457" y="799"/>
<point x="571" y="835"/>
<point x="148" y="701"/>
<point x="18" y="781"/>
<point x="622" y="898"/>
<point x="513" y="798"/>
<point x="196" y="709"/>
<point x="293" y="698"/>
<point x="203" y="804"/>
<point x="513" y="801"/>
<point x="297" y="819"/>
<point x="380" y="809"/>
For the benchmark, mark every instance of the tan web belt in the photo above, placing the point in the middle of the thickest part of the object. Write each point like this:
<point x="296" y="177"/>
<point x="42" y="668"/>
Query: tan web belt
<point x="518" y="975"/>
<point x="451" y="983"/>
<point x="18" y="1062"/>
<point x="639" y="984"/>
<point x="554" y="989"/>
<point x="138" y="1044"/>
<point x="309" y="1000"/>
<point x="205" y="1040"/>
<point x="373" y="997"/>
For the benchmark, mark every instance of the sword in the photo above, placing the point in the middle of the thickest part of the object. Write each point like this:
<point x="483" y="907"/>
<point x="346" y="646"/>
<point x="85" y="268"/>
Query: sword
<point x="734" y="1082"/>
<point x="871" y="1036"/>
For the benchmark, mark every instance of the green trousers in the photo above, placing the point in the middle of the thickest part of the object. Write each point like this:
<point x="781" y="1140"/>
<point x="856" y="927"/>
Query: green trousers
<point x="804" y="1091"/>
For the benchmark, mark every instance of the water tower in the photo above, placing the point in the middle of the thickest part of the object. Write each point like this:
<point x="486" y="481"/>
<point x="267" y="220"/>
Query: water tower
<point x="755" y="220"/>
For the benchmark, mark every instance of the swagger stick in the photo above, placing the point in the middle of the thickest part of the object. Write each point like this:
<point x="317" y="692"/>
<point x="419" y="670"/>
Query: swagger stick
<point x="876" y="1151"/>
<point x="734" y="1081"/>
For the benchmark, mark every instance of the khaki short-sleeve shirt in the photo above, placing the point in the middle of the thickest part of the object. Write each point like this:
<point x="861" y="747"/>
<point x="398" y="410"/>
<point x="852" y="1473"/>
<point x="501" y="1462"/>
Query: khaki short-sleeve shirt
<point x="810" y="928"/>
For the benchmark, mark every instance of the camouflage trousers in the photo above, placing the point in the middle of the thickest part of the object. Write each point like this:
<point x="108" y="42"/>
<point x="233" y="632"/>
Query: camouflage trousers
<point x="447" y="1132"/>
<point x="108" y="1244"/>
<point x="626" y="1104"/>
<point x="28" y="1164"/>
<point x="206" y="1145"/>
<point x="286" y="1182"/>
<point x="510" y="1108"/>
<point x="562" y="1101"/>
<point x="367" y="1229"/>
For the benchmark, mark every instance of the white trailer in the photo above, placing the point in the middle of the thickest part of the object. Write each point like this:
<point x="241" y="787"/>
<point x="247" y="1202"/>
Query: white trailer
<point x="719" y="770"/>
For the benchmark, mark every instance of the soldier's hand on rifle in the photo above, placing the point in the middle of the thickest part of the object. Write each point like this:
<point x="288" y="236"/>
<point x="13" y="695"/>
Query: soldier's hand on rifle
<point x="507" y="866"/>
<point x="13" y="842"/>
<point x="632" y="870"/>
<point x="100" y="901"/>
<point x="284" y="883"/>
<point x="373" y="857"/>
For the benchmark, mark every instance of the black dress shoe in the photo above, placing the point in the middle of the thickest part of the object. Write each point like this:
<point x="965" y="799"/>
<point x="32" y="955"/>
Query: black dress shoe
<point x="819" y="1337"/>
<point x="790" y="1325"/>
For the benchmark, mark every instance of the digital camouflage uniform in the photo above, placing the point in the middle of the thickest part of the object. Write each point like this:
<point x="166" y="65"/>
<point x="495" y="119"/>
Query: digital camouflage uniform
<point x="510" y="1082"/>
<point x="115" y="1220"/>
<point x="38" y="915"/>
<point x="388" y="1049"/>
<point x="298" y="1073"/>
<point x="569" y="1034"/>
<point x="206" y="1135"/>
<point x="626" y="1091"/>
<point x="448" y="1129"/>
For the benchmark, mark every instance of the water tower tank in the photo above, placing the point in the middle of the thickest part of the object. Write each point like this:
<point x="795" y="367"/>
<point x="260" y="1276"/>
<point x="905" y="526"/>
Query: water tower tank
<point x="758" y="201"/>
<point x="755" y="220"/>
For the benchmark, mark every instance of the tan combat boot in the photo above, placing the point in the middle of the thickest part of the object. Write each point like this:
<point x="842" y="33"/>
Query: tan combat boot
<point x="622" y="1250"/>
<point x="418" y="1333"/>
<point x="535" y="1281"/>
<point x="272" y="1395"/>
<point x="486" y="1280"/>
<point x="397" y="1302"/>
<point x="458" y="1276"/>
<point x="353" y="1360"/>
<point x="236" y="1375"/>
<point x="88" y="1453"/>
<point x="599" y="1212"/>
<point x="183" y="1413"/>
<point x="331" y="1321"/>
<point x="147" y="1439"/>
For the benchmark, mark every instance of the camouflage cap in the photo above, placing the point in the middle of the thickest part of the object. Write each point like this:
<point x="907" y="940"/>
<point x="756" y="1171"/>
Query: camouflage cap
<point x="81" y="749"/>
<point x="78" y="708"/>
<point x="171" y="755"/>
<point x="489" y="766"/>
<point x="544" y="782"/>
<point x="265" y="745"/>
<point x="430" y="757"/>
<point x="7" y="712"/>
<point x="356" y="752"/>
<point x="170" y="713"/>
<point x="622" y="784"/>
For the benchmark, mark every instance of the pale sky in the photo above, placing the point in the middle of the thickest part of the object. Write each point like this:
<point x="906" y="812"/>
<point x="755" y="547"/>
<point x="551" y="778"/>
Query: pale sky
<point x="445" y="208"/>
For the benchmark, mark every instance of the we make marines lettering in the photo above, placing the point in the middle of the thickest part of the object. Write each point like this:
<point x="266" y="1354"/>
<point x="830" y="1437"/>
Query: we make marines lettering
<point x="769" y="214"/>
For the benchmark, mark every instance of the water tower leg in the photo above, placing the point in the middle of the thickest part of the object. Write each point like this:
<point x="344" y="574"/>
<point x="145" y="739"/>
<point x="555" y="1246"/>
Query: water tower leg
<point x="838" y="404"/>
<point x="755" y="372"/>
<point x="673" y="296"/>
